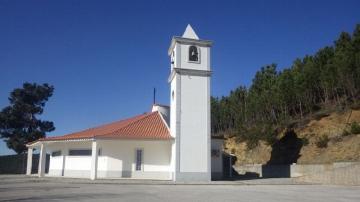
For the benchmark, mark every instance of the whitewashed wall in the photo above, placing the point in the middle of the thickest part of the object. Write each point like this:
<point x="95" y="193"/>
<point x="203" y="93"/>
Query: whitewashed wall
<point x="194" y="137"/>
<point x="121" y="158"/>
<point x="69" y="166"/>
<point x="204" y="63"/>
<point x="117" y="159"/>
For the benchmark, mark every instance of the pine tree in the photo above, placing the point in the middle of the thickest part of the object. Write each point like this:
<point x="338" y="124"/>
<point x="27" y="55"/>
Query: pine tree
<point x="19" y="124"/>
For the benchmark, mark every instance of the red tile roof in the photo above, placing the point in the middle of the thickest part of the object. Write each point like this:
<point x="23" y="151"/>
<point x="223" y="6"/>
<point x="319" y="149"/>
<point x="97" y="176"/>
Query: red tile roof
<point x="145" y="126"/>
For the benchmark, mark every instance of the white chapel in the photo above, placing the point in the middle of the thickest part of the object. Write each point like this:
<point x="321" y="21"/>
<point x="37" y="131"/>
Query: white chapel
<point x="168" y="143"/>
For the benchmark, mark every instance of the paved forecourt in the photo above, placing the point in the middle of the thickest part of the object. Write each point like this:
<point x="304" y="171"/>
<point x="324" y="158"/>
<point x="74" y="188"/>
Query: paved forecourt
<point x="21" y="188"/>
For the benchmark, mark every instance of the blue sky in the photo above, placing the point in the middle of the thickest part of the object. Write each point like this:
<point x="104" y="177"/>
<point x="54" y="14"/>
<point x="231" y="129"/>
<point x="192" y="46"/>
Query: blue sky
<point x="105" y="57"/>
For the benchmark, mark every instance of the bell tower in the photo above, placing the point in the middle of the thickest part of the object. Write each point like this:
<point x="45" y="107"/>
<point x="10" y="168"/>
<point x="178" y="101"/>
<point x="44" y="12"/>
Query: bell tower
<point x="190" y="107"/>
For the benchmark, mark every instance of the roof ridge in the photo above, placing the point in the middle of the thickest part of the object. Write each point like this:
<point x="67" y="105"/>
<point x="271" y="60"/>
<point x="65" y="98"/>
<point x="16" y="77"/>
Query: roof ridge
<point x="146" y="115"/>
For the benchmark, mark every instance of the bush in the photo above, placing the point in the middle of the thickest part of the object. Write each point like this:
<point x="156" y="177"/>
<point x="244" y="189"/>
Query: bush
<point x="322" y="142"/>
<point x="355" y="128"/>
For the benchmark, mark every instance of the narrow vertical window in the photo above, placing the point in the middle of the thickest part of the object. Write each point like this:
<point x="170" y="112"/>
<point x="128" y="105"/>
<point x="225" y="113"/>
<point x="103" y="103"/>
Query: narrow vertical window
<point x="193" y="54"/>
<point x="139" y="158"/>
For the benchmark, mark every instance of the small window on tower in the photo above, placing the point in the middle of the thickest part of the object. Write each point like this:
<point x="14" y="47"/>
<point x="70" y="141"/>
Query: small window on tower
<point x="193" y="54"/>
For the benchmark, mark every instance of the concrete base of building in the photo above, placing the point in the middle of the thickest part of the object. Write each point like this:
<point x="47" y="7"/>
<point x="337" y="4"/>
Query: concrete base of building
<point x="193" y="177"/>
<point x="156" y="175"/>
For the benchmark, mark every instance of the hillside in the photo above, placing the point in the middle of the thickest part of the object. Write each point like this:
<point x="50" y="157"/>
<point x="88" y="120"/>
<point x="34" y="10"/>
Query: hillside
<point x="341" y="146"/>
<point x="302" y="111"/>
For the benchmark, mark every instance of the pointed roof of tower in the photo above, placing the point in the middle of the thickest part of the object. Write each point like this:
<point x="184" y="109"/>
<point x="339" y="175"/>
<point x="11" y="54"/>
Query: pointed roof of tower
<point x="189" y="37"/>
<point x="190" y="33"/>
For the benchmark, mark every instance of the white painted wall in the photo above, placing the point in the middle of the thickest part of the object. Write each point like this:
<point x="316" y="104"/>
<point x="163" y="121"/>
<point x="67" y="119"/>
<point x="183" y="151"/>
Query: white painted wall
<point x="180" y="58"/>
<point x="69" y="166"/>
<point x="121" y="155"/>
<point x="117" y="159"/>
<point x="56" y="165"/>
<point x="204" y="63"/>
<point x="193" y="124"/>
<point x="78" y="163"/>
<point x="174" y="101"/>
<point x="174" y="57"/>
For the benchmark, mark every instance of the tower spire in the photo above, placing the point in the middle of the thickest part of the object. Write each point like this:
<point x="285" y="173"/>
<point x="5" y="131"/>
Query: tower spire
<point x="190" y="33"/>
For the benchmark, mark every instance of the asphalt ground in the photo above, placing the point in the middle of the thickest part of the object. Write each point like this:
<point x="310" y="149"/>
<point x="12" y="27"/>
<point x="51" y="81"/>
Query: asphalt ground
<point x="24" y="188"/>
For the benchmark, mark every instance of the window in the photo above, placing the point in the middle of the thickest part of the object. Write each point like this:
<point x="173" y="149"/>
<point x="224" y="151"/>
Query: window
<point x="139" y="158"/>
<point x="56" y="153"/>
<point x="193" y="54"/>
<point x="80" y="152"/>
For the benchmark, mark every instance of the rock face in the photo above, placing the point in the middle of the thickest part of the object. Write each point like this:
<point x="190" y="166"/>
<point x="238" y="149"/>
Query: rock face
<point x="341" y="146"/>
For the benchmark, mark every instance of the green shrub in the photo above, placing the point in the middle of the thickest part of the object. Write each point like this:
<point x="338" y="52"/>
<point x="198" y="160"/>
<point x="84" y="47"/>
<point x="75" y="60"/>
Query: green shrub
<point x="355" y="128"/>
<point x="322" y="142"/>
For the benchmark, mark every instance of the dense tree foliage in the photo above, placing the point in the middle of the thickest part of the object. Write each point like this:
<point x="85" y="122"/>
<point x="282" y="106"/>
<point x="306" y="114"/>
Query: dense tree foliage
<point x="18" y="122"/>
<point x="276" y="98"/>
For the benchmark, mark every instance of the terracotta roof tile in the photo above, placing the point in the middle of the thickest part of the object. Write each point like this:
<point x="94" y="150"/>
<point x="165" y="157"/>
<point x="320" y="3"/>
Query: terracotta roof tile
<point x="145" y="126"/>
